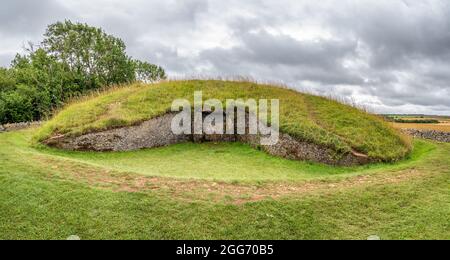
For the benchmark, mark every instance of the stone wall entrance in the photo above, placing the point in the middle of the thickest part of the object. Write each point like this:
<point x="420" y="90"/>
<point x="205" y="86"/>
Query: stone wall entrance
<point x="158" y="133"/>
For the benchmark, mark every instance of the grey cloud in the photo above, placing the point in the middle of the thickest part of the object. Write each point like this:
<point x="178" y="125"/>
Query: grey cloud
<point x="319" y="61"/>
<point x="397" y="33"/>
<point x="29" y="17"/>
<point x="392" y="54"/>
<point x="5" y="59"/>
<point x="265" y="48"/>
<point x="23" y="21"/>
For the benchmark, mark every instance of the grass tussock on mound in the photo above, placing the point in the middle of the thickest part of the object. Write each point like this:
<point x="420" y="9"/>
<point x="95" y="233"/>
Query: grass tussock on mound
<point x="305" y="117"/>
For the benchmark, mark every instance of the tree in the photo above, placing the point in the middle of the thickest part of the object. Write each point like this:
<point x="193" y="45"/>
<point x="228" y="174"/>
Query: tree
<point x="7" y="80"/>
<point x="72" y="59"/>
<point x="42" y="74"/>
<point x="97" y="59"/>
<point x="94" y="56"/>
<point x="146" y="72"/>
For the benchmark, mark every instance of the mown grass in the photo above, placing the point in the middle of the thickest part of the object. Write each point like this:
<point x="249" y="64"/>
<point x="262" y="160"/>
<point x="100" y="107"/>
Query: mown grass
<point x="304" y="117"/>
<point x="37" y="205"/>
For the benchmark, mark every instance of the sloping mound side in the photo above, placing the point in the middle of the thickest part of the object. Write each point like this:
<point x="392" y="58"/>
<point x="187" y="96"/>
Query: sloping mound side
<point x="304" y="117"/>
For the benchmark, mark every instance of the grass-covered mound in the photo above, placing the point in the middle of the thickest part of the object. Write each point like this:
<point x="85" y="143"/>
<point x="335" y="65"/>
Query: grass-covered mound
<point x="305" y="117"/>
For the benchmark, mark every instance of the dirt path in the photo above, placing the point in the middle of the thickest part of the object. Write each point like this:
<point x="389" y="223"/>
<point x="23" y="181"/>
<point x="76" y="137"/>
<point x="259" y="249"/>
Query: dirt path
<point x="199" y="190"/>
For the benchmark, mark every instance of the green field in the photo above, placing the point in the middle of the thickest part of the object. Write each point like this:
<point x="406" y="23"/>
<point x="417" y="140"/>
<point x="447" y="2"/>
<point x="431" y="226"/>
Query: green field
<point x="217" y="191"/>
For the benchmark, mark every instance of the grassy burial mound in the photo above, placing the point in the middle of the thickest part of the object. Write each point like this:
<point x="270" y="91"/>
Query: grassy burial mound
<point x="313" y="128"/>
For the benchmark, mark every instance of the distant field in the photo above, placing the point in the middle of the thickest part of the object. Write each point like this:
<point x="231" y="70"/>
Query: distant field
<point x="437" y="127"/>
<point x="443" y="125"/>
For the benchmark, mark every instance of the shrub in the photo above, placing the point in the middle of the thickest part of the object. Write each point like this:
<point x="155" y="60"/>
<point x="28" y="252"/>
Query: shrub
<point x="16" y="107"/>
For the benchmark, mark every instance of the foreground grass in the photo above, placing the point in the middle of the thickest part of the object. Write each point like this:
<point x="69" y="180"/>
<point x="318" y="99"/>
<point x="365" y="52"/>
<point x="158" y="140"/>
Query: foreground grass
<point x="305" y="117"/>
<point x="37" y="204"/>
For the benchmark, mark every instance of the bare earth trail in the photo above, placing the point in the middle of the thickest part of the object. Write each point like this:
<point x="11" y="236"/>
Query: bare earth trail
<point x="234" y="192"/>
<point x="221" y="191"/>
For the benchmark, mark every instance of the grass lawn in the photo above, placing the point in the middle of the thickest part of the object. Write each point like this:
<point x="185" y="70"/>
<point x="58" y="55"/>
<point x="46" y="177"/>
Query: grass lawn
<point x="217" y="191"/>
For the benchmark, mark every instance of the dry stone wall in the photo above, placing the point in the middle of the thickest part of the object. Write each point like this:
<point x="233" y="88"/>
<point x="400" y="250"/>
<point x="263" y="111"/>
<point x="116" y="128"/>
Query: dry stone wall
<point x="157" y="133"/>
<point x="18" y="126"/>
<point x="429" y="134"/>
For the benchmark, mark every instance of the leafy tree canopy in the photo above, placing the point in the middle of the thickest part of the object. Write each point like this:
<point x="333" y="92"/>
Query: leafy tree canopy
<point x="73" y="58"/>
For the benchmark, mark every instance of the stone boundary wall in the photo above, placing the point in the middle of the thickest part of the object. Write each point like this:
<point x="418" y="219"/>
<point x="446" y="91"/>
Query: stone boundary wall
<point x="18" y="126"/>
<point x="429" y="134"/>
<point x="157" y="133"/>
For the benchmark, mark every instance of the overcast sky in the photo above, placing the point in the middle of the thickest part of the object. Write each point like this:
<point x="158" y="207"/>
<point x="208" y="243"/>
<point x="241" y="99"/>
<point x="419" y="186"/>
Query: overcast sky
<point x="390" y="55"/>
